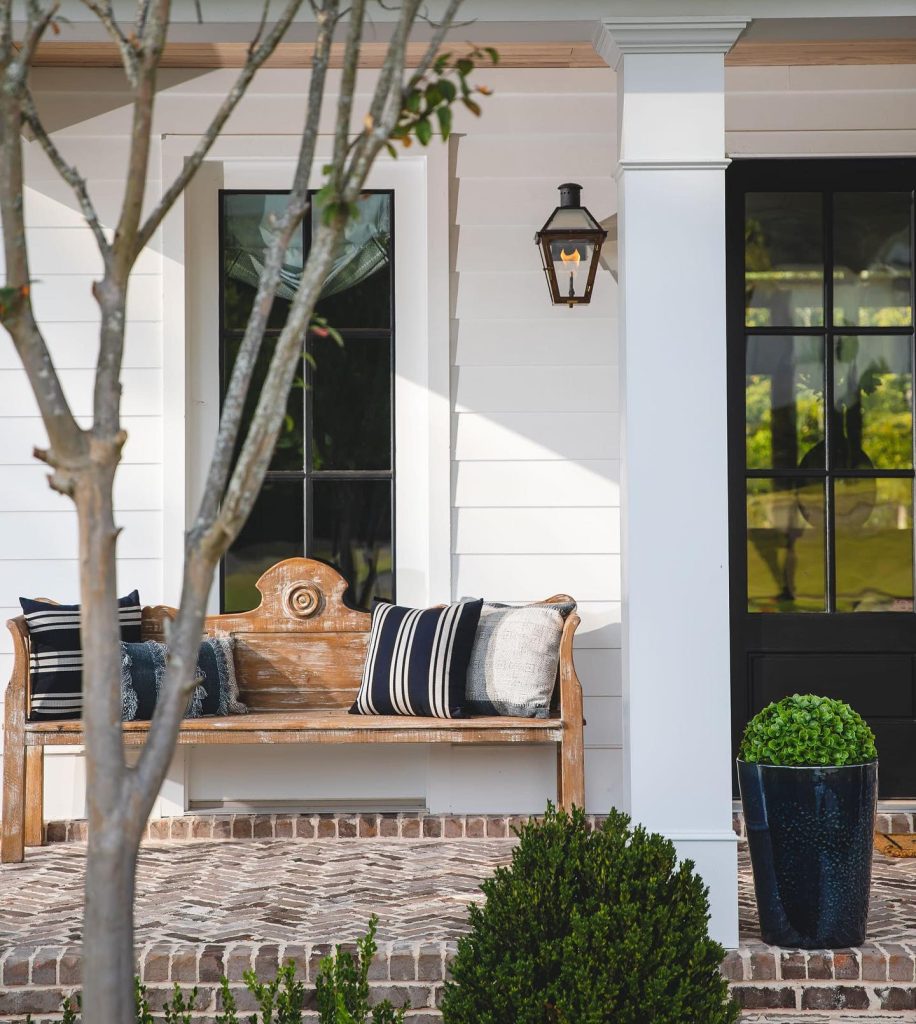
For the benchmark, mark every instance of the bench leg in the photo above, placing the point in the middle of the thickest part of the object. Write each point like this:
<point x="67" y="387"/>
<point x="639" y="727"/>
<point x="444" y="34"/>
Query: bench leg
<point x="12" y="846"/>
<point x="34" y="795"/>
<point x="571" y="770"/>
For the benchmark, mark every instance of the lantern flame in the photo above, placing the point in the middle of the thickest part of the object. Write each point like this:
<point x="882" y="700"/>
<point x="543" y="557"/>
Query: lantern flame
<point x="570" y="257"/>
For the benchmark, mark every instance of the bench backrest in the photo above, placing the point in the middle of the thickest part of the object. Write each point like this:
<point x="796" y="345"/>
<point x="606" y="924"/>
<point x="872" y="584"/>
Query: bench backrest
<point x="302" y="648"/>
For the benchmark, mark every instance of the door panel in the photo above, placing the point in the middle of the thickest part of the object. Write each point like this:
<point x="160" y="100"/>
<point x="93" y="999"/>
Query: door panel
<point x="821" y="443"/>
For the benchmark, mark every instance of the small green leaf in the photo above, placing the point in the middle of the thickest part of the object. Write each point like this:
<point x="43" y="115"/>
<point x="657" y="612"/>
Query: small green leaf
<point x="392" y="152"/>
<point x="464" y="66"/>
<point x="433" y="95"/>
<point x="444" y="114"/>
<point x="412" y="102"/>
<point x="424" y="131"/>
<point x="448" y="90"/>
<point x="472" y="106"/>
<point x="492" y="53"/>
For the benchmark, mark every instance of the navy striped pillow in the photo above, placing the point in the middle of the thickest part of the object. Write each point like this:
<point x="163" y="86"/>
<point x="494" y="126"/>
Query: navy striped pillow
<point x="417" y="661"/>
<point x="56" y="653"/>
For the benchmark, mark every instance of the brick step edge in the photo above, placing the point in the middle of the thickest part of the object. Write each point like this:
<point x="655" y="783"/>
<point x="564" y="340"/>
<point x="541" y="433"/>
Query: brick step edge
<point x="339" y="825"/>
<point x="825" y="996"/>
<point x="894" y="822"/>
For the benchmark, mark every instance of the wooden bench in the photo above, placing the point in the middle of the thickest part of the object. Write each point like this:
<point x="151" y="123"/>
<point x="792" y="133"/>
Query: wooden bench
<point x="299" y="659"/>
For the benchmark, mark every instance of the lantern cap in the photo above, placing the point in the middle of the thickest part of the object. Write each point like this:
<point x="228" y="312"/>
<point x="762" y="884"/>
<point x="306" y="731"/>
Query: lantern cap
<point x="570" y="195"/>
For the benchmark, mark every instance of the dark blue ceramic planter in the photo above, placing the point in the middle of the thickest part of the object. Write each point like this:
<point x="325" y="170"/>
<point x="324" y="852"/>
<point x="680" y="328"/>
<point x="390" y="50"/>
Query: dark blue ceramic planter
<point x="810" y="833"/>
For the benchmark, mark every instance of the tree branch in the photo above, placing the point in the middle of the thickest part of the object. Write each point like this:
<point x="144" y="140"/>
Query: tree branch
<point x="105" y="13"/>
<point x="67" y="171"/>
<point x="38" y="20"/>
<point x="252" y="64"/>
<point x="347" y="85"/>
<point x="246" y="359"/>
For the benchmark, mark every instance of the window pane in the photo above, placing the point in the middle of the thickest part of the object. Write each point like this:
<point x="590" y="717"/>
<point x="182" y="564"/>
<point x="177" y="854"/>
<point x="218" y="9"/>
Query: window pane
<point x="873" y="399"/>
<point x="351" y="402"/>
<point x="874" y="545"/>
<point x="357" y="292"/>
<point x="351" y="529"/>
<point x="784" y="402"/>
<point x="274" y="531"/>
<point x="873" y="262"/>
<point x="247" y="233"/>
<point x="289" y="453"/>
<point x="784" y="259"/>
<point x="785" y="546"/>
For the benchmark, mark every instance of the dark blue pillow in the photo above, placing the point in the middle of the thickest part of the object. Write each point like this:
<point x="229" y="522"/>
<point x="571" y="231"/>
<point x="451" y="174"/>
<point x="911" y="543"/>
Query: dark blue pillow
<point x="56" y="653"/>
<point x="143" y="671"/>
<point x="417" y="661"/>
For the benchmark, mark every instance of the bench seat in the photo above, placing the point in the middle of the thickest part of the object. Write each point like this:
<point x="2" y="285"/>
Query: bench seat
<point x="298" y="659"/>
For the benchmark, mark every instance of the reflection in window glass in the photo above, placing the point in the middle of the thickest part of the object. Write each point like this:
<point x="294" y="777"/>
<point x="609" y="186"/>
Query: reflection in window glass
<point x="783" y="259"/>
<point x="874" y="545"/>
<point x="784" y="401"/>
<point x="785" y="546"/>
<point x="873" y="399"/>
<point x="873" y="261"/>
<point x="351" y="529"/>
<point x="273" y="532"/>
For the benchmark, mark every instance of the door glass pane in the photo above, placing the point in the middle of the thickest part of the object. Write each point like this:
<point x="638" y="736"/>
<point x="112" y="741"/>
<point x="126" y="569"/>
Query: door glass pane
<point x="357" y="292"/>
<point x="873" y="399"/>
<point x="873" y="261"/>
<point x="785" y="546"/>
<point x="351" y="528"/>
<point x="351" y="402"/>
<point x="874" y="545"/>
<point x="247" y="232"/>
<point x="274" y="531"/>
<point x="783" y="259"/>
<point x="784" y="402"/>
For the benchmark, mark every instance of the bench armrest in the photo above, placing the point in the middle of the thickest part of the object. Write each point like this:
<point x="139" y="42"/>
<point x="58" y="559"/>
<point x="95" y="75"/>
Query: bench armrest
<point x="570" y="687"/>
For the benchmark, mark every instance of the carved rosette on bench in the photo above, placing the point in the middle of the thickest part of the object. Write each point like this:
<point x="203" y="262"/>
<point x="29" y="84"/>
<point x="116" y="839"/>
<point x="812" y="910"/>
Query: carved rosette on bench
<point x="299" y="659"/>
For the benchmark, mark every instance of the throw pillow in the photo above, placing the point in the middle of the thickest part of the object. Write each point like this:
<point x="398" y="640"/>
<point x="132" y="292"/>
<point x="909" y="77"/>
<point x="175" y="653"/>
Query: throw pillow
<point x="417" y="661"/>
<point x="513" y="665"/>
<point x="143" y="668"/>
<point x="56" y="653"/>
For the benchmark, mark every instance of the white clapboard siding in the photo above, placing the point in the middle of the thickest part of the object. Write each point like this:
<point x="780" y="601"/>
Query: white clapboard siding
<point x="537" y="435"/>
<point x="59" y="250"/>
<point x="599" y="671"/>
<point x="600" y="626"/>
<point x="527" y="202"/>
<point x="522" y="578"/>
<point x="69" y="298"/>
<point x="76" y="346"/>
<point x="519" y="294"/>
<point x="536" y="531"/>
<point x="26" y="490"/>
<point x="558" y="388"/>
<point x="142" y="392"/>
<point x="822" y="111"/>
<point x="47" y="535"/>
<point x="97" y="158"/>
<point x="545" y="484"/>
<point x="564" y="158"/>
<point x="603" y="722"/>
<point x="900" y="142"/>
<point x="20" y="434"/>
<point x="58" y="579"/>
<point x="52" y="203"/>
<point x="604" y="779"/>
<point x="538" y="340"/>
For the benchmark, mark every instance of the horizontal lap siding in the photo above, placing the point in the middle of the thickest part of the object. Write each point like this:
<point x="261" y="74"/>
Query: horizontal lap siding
<point x="38" y="529"/>
<point x="535" y="424"/>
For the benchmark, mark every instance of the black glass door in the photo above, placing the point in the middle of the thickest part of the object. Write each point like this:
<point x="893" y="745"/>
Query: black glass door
<point x="821" y="442"/>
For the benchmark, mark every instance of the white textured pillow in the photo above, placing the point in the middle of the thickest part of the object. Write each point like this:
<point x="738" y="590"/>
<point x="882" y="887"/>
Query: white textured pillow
<point x="514" y="659"/>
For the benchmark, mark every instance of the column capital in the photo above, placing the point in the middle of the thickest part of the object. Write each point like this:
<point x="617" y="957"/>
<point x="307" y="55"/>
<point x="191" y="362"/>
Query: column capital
<point x="616" y="37"/>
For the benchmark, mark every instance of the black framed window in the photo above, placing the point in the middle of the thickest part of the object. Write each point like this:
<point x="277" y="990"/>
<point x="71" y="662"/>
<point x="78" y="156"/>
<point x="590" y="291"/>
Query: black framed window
<point x="329" y="490"/>
<point x="828" y="391"/>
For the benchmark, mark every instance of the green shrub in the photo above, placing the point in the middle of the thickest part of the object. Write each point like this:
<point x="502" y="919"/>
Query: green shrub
<point x="343" y="986"/>
<point x="589" y="927"/>
<point x="807" y="730"/>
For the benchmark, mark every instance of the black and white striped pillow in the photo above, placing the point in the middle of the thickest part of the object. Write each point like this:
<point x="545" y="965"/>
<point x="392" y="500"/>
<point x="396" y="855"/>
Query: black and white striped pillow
<point x="417" y="661"/>
<point x="56" y="653"/>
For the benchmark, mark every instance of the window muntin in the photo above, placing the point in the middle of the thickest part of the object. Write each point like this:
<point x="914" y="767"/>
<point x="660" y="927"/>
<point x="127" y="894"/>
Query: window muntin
<point x="329" y="490"/>
<point x="829" y="400"/>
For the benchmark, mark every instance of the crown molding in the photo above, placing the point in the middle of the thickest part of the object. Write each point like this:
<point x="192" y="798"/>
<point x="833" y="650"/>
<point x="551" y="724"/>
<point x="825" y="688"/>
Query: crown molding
<point x="615" y="37"/>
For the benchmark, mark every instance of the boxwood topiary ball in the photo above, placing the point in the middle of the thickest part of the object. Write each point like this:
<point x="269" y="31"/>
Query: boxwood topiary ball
<point x="808" y="731"/>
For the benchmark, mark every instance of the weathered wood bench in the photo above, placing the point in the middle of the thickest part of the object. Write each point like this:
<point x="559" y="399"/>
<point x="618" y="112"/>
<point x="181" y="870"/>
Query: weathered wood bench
<point x="299" y="659"/>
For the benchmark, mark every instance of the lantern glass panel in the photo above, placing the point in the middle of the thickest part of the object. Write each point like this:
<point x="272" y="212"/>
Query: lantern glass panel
<point x="571" y="258"/>
<point x="571" y="218"/>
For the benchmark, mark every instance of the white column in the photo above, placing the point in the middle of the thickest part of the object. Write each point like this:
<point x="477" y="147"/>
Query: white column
<point x="671" y="207"/>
